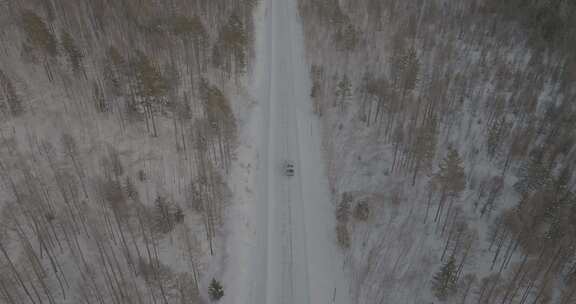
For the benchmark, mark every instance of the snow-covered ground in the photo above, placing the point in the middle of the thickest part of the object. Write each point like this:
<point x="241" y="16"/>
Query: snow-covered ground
<point x="113" y="204"/>
<point x="282" y="233"/>
<point x="470" y="66"/>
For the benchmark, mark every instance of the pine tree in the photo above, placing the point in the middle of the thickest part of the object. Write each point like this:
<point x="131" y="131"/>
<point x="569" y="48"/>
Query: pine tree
<point x="336" y="14"/>
<point x="151" y="83"/>
<point x="116" y="59"/>
<point x="362" y="211"/>
<point x="229" y="52"/>
<point x="451" y="177"/>
<point x="534" y="174"/>
<point x="178" y="214"/>
<point x="12" y="99"/>
<point x="188" y="28"/>
<point x="444" y="282"/>
<point x="130" y="189"/>
<point x="343" y="209"/>
<point x="496" y="133"/>
<point x="142" y="175"/>
<point x="166" y="216"/>
<point x="343" y="91"/>
<point x="343" y="236"/>
<point x="316" y="91"/>
<point x="151" y="87"/>
<point x="221" y="120"/>
<point x="74" y="54"/>
<point x="99" y="100"/>
<point x="425" y="147"/>
<point x="346" y="38"/>
<point x="191" y="31"/>
<point x="343" y="212"/>
<point x="114" y="72"/>
<point x="218" y="59"/>
<point x="215" y="290"/>
<point x="38" y="33"/>
<point x="408" y="71"/>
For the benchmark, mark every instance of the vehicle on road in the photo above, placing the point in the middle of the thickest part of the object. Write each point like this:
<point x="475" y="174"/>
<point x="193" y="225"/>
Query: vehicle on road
<point x="289" y="168"/>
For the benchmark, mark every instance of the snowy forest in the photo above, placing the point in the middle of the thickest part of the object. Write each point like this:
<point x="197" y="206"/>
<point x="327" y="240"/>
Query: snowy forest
<point x="118" y="125"/>
<point x="449" y="131"/>
<point x="449" y="136"/>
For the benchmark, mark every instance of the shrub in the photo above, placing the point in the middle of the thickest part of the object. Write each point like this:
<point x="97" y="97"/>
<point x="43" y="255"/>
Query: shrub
<point x="215" y="290"/>
<point x="362" y="211"/>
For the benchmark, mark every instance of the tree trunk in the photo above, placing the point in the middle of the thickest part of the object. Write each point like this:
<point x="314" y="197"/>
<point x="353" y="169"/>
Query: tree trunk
<point x="440" y="205"/>
<point x="416" y="168"/>
<point x="16" y="274"/>
<point x="428" y="204"/>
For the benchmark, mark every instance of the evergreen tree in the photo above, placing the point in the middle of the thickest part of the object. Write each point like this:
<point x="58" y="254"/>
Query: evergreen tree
<point x="425" y="147"/>
<point x="564" y="178"/>
<point x="496" y="134"/>
<point x="346" y="38"/>
<point x="116" y="59"/>
<point x="343" y="212"/>
<point x="218" y="59"/>
<point x="221" y="120"/>
<point x="362" y="211"/>
<point x="343" y="236"/>
<point x="115" y="70"/>
<point x="151" y="87"/>
<point x="215" y="290"/>
<point x="178" y="214"/>
<point x="130" y="189"/>
<point x="38" y="33"/>
<point x="451" y="177"/>
<point x="188" y="28"/>
<point x="534" y="174"/>
<point x="166" y="215"/>
<point x="343" y="209"/>
<point x="316" y="91"/>
<point x="343" y="91"/>
<point x="12" y="99"/>
<point x="315" y="95"/>
<point x="141" y="175"/>
<point x="74" y="54"/>
<point x="229" y="52"/>
<point x="151" y="84"/>
<point x="444" y="282"/>
<point x="191" y="31"/>
<point x="408" y="71"/>
<point x="337" y="16"/>
<point x="99" y="100"/>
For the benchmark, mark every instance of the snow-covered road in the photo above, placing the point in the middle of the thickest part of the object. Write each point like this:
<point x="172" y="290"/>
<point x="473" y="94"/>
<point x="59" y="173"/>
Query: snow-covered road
<point x="295" y="259"/>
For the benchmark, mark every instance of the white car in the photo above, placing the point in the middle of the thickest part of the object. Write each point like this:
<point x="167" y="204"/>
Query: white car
<point x="288" y="168"/>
